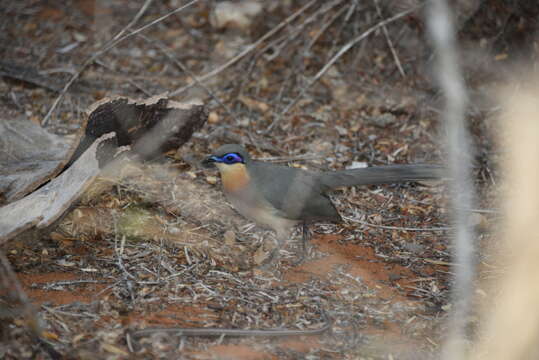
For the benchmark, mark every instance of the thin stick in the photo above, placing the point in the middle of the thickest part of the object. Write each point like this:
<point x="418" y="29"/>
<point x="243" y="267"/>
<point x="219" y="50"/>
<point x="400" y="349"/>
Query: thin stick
<point x="52" y="285"/>
<point x="231" y="332"/>
<point x="235" y="332"/>
<point x="334" y="59"/>
<point x="183" y="68"/>
<point x="132" y="22"/>
<point x="109" y="45"/>
<point x="386" y="227"/>
<point x="389" y="42"/>
<point x="11" y="288"/>
<point x="10" y="282"/>
<point x="442" y="32"/>
<point x="247" y="50"/>
<point x="119" y="253"/>
<point x="324" y="27"/>
<point x="137" y="86"/>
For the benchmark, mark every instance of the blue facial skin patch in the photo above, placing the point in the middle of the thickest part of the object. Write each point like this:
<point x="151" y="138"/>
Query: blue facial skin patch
<point x="231" y="158"/>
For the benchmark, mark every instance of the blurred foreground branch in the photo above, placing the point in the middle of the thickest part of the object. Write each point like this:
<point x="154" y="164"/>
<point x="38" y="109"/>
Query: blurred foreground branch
<point x="459" y="151"/>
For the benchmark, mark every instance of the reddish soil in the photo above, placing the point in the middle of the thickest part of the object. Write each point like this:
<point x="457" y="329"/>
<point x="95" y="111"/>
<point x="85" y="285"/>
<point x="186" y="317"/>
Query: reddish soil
<point x="360" y="261"/>
<point x="84" y="294"/>
<point x="388" y="279"/>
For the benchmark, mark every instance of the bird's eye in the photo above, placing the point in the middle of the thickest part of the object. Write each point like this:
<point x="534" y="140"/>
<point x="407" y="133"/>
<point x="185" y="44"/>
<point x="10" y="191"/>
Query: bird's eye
<point x="232" y="158"/>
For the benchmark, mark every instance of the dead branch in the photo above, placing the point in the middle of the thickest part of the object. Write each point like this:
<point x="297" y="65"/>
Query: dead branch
<point x="451" y="82"/>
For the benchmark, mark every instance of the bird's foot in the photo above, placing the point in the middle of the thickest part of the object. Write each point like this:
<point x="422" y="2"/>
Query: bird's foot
<point x="266" y="257"/>
<point x="270" y="267"/>
<point x="300" y="260"/>
<point x="303" y="255"/>
<point x="267" y="252"/>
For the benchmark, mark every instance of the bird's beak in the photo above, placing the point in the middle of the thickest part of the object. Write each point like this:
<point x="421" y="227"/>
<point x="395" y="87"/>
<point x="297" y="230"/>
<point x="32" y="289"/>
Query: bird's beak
<point x="209" y="161"/>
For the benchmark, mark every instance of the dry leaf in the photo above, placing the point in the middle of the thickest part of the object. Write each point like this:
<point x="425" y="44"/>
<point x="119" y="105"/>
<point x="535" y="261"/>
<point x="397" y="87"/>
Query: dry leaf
<point x="230" y="237"/>
<point x="114" y="350"/>
<point x="254" y="104"/>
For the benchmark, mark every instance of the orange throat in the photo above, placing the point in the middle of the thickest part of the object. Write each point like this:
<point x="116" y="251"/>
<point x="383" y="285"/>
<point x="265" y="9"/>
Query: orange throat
<point x="235" y="177"/>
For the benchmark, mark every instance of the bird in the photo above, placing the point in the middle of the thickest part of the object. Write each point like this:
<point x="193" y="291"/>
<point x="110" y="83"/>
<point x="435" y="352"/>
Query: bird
<point x="279" y="197"/>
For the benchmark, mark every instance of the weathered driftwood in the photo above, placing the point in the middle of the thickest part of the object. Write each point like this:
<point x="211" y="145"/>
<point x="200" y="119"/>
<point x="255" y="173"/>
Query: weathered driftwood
<point x="149" y="127"/>
<point x="42" y="207"/>
<point x="29" y="156"/>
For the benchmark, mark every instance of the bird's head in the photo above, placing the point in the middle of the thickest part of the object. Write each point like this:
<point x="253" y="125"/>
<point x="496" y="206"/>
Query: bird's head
<point x="231" y="160"/>
<point x="228" y="156"/>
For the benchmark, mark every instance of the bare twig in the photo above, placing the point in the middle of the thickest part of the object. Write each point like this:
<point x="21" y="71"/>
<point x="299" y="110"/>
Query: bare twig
<point x="183" y="68"/>
<point x="389" y="42"/>
<point x="19" y="304"/>
<point x="119" y="253"/>
<point x="397" y="227"/>
<point x="10" y="285"/>
<point x="334" y="59"/>
<point x="68" y="313"/>
<point x="451" y="82"/>
<point x="247" y="50"/>
<point x="351" y="10"/>
<point x="235" y="332"/>
<point x="231" y="332"/>
<point x="109" y="45"/>
<point x="298" y="30"/>
<point x="52" y="285"/>
<point x="130" y="81"/>
<point x="327" y="25"/>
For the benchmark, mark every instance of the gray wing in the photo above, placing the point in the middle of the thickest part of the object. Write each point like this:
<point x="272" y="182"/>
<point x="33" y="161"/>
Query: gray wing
<point x="297" y="194"/>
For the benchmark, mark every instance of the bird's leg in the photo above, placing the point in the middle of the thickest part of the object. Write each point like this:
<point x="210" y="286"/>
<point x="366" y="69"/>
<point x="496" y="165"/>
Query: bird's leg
<point x="275" y="254"/>
<point x="271" y="253"/>
<point x="304" y="237"/>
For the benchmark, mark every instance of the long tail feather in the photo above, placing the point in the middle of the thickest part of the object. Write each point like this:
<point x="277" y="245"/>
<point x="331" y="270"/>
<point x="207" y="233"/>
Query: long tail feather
<point x="382" y="175"/>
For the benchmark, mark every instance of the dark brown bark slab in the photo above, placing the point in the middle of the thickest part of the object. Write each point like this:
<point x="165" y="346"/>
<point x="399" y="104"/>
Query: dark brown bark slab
<point x="151" y="127"/>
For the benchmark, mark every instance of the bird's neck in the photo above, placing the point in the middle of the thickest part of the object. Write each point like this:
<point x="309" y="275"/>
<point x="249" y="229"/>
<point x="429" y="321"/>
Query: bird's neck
<point x="235" y="177"/>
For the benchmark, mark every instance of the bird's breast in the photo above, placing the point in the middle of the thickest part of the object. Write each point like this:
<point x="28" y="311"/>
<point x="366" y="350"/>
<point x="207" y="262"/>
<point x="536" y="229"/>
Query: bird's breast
<point x="235" y="177"/>
<point x="249" y="202"/>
